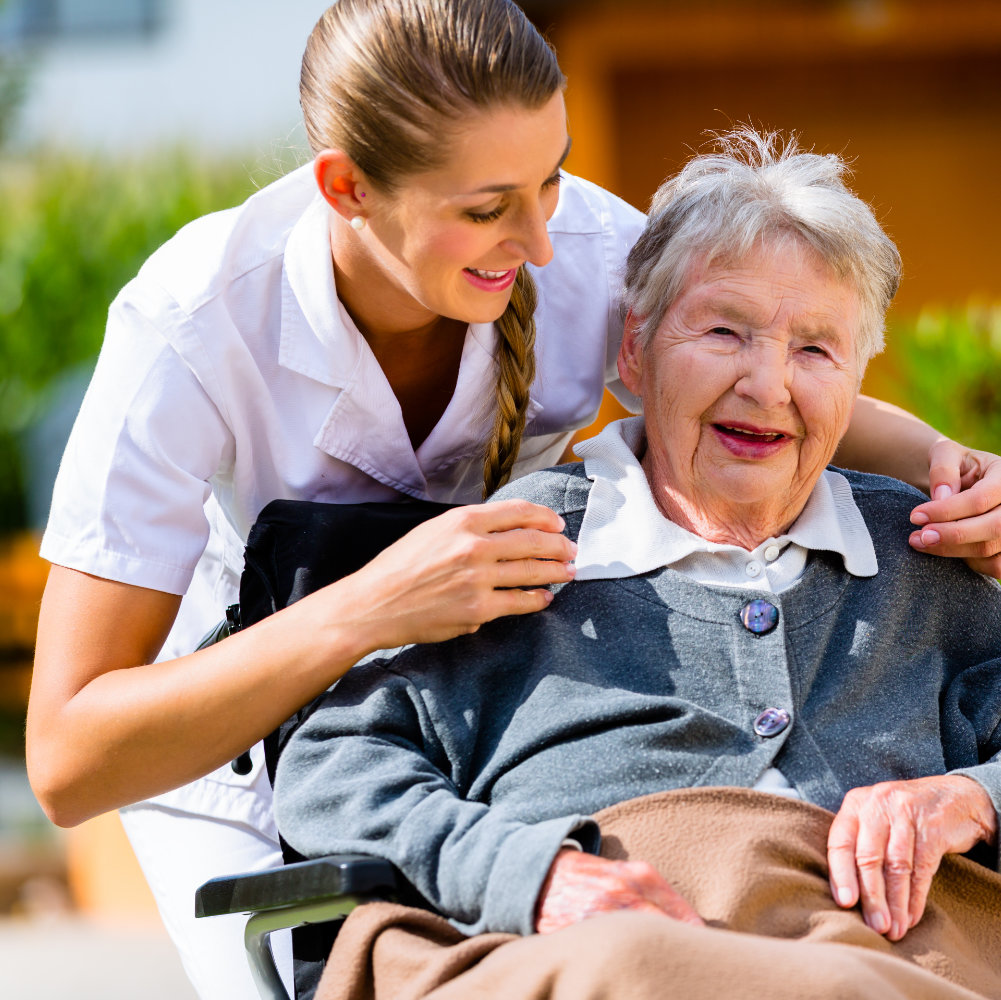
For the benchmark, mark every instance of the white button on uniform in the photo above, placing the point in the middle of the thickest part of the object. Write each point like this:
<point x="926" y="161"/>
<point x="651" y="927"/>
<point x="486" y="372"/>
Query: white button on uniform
<point x="753" y="568"/>
<point x="772" y="553"/>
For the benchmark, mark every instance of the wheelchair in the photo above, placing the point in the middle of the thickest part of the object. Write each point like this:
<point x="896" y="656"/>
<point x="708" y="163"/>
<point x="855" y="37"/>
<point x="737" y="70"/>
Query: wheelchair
<point x="294" y="548"/>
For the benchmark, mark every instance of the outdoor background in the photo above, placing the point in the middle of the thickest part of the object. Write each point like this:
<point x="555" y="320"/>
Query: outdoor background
<point x="120" y="120"/>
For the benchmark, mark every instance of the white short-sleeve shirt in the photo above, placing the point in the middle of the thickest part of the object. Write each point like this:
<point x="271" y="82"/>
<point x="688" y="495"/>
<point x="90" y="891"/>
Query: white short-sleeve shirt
<point x="231" y="376"/>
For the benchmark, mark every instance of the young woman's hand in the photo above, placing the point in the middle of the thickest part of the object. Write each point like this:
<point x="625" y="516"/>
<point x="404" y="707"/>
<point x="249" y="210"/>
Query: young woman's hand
<point x="453" y="573"/>
<point x="963" y="518"/>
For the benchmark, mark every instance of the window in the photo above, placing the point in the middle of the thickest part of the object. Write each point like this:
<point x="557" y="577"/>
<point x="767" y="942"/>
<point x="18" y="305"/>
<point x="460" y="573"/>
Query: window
<point x="51" y="20"/>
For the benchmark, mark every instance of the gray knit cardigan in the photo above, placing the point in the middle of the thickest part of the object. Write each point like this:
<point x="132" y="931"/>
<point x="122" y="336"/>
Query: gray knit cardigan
<point x="468" y="762"/>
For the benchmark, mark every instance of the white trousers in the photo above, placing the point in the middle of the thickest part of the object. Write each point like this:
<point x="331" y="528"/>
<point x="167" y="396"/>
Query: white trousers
<point x="178" y="851"/>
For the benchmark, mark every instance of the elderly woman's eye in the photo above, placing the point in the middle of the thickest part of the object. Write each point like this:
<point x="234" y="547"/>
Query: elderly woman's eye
<point x="723" y="331"/>
<point x="815" y="349"/>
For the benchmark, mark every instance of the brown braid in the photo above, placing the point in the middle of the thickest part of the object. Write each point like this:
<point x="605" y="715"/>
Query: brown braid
<point x="515" y="372"/>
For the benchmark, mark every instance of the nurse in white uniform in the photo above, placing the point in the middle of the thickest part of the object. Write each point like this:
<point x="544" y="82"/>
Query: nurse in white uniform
<point x="359" y="330"/>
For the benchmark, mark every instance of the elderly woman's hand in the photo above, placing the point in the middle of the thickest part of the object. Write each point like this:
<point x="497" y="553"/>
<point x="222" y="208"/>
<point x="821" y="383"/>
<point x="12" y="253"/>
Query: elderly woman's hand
<point x="964" y="518"/>
<point x="887" y="841"/>
<point x="580" y="885"/>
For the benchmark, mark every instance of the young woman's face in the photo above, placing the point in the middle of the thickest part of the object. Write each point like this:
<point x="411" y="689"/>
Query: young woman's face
<point x="450" y="240"/>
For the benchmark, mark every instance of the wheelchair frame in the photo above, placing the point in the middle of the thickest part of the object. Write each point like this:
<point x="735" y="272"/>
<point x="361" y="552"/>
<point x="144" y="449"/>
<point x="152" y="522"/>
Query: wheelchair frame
<point x="306" y="892"/>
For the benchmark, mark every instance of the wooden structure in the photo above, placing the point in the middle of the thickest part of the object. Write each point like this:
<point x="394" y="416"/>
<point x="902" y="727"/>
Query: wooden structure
<point x="908" y="90"/>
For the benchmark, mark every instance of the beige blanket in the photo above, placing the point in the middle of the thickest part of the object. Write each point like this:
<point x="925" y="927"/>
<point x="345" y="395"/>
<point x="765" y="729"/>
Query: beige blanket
<point x="754" y="866"/>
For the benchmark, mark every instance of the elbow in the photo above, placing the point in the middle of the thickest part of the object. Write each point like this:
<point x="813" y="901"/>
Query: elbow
<point x="57" y="814"/>
<point x="57" y="793"/>
<point x="57" y="770"/>
<point x="59" y="807"/>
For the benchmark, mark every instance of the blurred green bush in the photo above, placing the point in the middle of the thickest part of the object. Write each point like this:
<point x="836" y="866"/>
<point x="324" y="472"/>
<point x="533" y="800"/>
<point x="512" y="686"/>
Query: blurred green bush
<point x="949" y="362"/>
<point x="72" y="232"/>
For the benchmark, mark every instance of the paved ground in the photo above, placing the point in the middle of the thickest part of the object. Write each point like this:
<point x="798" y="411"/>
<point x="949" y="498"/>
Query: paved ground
<point x="68" y="958"/>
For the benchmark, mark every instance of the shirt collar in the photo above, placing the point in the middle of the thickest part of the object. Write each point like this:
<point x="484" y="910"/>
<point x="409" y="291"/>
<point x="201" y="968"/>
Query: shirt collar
<point x="624" y="533"/>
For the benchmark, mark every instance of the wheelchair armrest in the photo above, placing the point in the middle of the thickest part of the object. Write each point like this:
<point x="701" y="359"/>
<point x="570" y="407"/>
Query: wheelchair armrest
<point x="303" y="882"/>
<point x="307" y="892"/>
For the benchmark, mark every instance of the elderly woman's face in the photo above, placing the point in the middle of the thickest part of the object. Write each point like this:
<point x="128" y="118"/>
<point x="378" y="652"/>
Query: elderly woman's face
<point x="748" y="385"/>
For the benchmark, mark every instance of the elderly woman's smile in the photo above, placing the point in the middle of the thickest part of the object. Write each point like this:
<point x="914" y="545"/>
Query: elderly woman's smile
<point x="748" y="384"/>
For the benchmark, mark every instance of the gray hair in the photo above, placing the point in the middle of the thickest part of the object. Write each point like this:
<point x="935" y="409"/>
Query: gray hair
<point x="754" y="187"/>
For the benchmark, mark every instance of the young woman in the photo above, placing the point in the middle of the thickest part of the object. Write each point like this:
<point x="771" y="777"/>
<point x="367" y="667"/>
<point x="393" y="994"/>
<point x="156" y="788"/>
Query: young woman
<point x="363" y="329"/>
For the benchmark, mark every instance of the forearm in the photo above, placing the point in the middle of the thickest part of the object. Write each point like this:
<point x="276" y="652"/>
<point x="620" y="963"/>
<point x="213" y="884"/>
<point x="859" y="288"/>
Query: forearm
<point x="134" y="731"/>
<point x="104" y="730"/>
<point x="885" y="439"/>
<point x="366" y="773"/>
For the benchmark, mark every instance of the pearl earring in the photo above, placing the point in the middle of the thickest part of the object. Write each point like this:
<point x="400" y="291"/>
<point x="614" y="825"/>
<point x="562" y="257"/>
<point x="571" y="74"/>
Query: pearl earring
<point x="358" y="223"/>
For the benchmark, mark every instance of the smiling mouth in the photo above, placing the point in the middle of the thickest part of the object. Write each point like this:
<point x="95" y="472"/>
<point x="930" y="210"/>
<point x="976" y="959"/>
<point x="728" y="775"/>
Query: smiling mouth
<point x="755" y="437"/>
<point x="490" y="275"/>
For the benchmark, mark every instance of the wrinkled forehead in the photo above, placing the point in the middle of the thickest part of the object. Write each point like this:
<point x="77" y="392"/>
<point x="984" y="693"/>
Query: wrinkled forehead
<point x="784" y="281"/>
<point x="767" y="249"/>
<point x="783" y="259"/>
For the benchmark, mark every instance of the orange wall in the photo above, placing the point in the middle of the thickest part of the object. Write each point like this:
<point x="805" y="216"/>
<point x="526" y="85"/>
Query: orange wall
<point x="910" y="92"/>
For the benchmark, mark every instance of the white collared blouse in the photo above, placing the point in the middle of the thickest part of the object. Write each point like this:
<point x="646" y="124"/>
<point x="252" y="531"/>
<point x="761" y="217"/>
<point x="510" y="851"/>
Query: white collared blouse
<point x="231" y="375"/>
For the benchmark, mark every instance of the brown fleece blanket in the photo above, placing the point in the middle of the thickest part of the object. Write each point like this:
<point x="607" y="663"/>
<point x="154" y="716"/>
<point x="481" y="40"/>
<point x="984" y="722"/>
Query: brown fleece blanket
<point x="754" y="866"/>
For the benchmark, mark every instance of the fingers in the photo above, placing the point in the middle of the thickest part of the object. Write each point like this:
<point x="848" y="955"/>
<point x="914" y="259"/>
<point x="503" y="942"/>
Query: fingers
<point x="453" y="573"/>
<point x="516" y="530"/>
<point x="870" y="853"/>
<point x="963" y="519"/>
<point x="580" y="886"/>
<point x="926" y="862"/>
<point x="887" y="841"/>
<point x="945" y="466"/>
<point x="954" y="505"/>
<point x="507" y="514"/>
<point x="520" y="544"/>
<point x="898" y="867"/>
<point x="856" y="852"/>
<point x="841" y="856"/>
<point x="975" y="539"/>
<point x="517" y="601"/>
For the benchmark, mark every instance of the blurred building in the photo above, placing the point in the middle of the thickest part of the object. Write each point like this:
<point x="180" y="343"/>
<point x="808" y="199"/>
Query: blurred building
<point x="125" y="75"/>
<point x="908" y="90"/>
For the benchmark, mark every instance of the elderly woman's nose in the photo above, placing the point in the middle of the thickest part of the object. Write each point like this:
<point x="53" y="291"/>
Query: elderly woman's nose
<point x="766" y="377"/>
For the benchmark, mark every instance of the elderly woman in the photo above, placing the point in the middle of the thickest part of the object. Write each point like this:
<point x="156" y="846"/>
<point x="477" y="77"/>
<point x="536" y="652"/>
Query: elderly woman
<point x="749" y="648"/>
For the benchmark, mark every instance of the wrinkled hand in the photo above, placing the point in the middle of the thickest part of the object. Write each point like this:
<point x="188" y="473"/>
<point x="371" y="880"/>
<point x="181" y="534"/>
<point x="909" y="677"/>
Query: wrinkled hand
<point x="887" y="841"/>
<point x="456" y="571"/>
<point x="964" y="517"/>
<point x="581" y="885"/>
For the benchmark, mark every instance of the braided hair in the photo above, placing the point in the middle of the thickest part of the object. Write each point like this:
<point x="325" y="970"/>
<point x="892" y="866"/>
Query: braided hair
<point x="515" y="372"/>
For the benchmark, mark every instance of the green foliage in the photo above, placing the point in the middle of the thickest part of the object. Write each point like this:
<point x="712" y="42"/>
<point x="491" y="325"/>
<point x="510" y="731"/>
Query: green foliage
<point x="13" y="86"/>
<point x="950" y="362"/>
<point x="72" y="232"/>
<point x="15" y="65"/>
